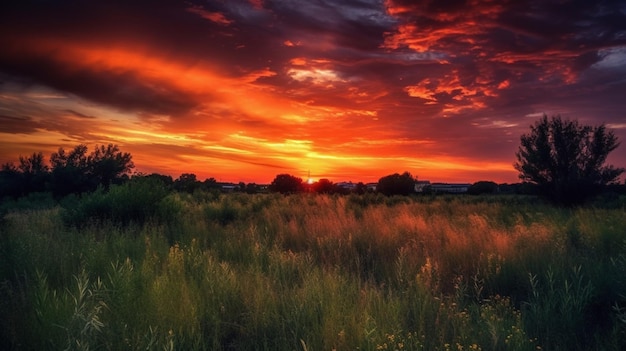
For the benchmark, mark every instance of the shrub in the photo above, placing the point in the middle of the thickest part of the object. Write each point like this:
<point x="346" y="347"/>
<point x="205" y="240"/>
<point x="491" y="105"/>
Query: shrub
<point x="133" y="202"/>
<point x="483" y="187"/>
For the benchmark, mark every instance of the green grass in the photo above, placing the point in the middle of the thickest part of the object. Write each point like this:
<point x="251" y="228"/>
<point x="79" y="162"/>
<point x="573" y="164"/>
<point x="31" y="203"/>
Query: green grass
<point x="206" y="271"/>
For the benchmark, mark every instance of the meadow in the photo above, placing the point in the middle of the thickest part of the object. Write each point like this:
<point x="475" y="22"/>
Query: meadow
<point x="142" y="268"/>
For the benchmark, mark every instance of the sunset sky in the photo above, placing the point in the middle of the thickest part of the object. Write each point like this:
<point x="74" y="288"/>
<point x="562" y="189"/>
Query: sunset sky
<point x="243" y="90"/>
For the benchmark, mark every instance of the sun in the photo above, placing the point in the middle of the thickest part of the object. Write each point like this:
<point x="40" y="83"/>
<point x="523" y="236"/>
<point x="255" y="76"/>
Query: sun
<point x="310" y="181"/>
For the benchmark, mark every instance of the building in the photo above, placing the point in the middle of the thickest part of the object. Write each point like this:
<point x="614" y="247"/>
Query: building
<point x="349" y="186"/>
<point x="421" y="185"/>
<point x="450" y="188"/>
<point x="425" y="186"/>
<point x="371" y="186"/>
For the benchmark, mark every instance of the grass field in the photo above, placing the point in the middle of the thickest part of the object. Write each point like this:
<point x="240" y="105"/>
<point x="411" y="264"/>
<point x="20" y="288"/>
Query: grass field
<point x="143" y="269"/>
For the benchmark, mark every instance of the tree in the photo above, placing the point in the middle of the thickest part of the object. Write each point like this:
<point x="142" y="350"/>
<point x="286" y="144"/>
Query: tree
<point x="187" y="182"/>
<point x="108" y="164"/>
<point x="397" y="184"/>
<point x="70" y="171"/>
<point x="483" y="187"/>
<point x="165" y="179"/>
<point x="566" y="160"/>
<point x="286" y="184"/>
<point x="210" y="183"/>
<point x="11" y="182"/>
<point x="35" y="172"/>
<point x="324" y="186"/>
<point x="251" y="188"/>
<point x="360" y="188"/>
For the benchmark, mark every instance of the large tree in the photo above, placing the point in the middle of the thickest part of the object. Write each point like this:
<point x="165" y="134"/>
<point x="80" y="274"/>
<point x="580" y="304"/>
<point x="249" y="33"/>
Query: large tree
<point x="566" y="159"/>
<point x="397" y="184"/>
<point x="109" y="165"/>
<point x="286" y="184"/>
<point x="187" y="182"/>
<point x="324" y="186"/>
<point x="70" y="171"/>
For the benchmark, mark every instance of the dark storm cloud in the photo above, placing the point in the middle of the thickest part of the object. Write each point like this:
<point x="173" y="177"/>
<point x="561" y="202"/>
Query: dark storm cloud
<point x="124" y="90"/>
<point x="348" y="24"/>
<point x="14" y="125"/>
<point x="99" y="24"/>
<point x="544" y="57"/>
<point x="524" y="34"/>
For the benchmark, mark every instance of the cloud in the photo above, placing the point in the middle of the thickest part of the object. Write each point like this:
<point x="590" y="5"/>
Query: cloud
<point x="15" y="125"/>
<point x="360" y="86"/>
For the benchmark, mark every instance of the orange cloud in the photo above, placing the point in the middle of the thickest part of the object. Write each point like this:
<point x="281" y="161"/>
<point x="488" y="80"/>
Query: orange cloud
<point x="460" y="27"/>
<point x="216" y="17"/>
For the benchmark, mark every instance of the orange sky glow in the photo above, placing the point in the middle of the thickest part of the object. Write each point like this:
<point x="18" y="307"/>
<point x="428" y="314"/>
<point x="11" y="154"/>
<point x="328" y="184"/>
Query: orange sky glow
<point x="245" y="90"/>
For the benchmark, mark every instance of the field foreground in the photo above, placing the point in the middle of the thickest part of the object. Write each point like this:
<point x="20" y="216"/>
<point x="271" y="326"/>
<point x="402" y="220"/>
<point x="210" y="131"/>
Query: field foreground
<point x="270" y="272"/>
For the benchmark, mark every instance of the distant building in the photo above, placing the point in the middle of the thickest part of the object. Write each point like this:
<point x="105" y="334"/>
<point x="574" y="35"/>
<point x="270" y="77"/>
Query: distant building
<point x="371" y="186"/>
<point x="450" y="188"/>
<point x="346" y="185"/>
<point x="420" y="185"/>
<point x="228" y="187"/>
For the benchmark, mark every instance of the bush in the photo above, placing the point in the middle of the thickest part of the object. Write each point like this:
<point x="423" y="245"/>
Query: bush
<point x="32" y="201"/>
<point x="483" y="187"/>
<point x="133" y="202"/>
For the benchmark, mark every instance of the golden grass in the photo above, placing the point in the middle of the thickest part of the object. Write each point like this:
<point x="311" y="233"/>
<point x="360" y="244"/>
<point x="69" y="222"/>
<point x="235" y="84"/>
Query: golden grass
<point x="326" y="273"/>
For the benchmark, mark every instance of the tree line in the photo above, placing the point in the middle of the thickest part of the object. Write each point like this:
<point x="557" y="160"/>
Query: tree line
<point x="560" y="160"/>
<point x="68" y="172"/>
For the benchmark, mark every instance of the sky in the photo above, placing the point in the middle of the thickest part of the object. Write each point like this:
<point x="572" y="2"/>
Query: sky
<point x="244" y="90"/>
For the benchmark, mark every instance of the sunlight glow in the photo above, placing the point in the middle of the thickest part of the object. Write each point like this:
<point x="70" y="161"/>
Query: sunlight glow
<point x="353" y="90"/>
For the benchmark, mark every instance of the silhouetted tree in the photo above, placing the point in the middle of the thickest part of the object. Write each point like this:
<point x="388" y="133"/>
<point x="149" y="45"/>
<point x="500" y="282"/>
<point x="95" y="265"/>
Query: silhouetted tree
<point x="251" y="188"/>
<point x="210" y="183"/>
<point x="397" y="184"/>
<point x="11" y="183"/>
<point x="70" y="172"/>
<point x="483" y="187"/>
<point x="286" y="184"/>
<point x="360" y="188"/>
<point x="324" y="186"/>
<point x="505" y="188"/>
<point x="187" y="182"/>
<point x="566" y="160"/>
<point x="166" y="180"/>
<point x="109" y="165"/>
<point x="34" y="172"/>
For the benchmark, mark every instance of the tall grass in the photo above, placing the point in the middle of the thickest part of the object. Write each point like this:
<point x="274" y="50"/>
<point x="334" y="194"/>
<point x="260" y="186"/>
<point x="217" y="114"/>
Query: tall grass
<point x="272" y="272"/>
